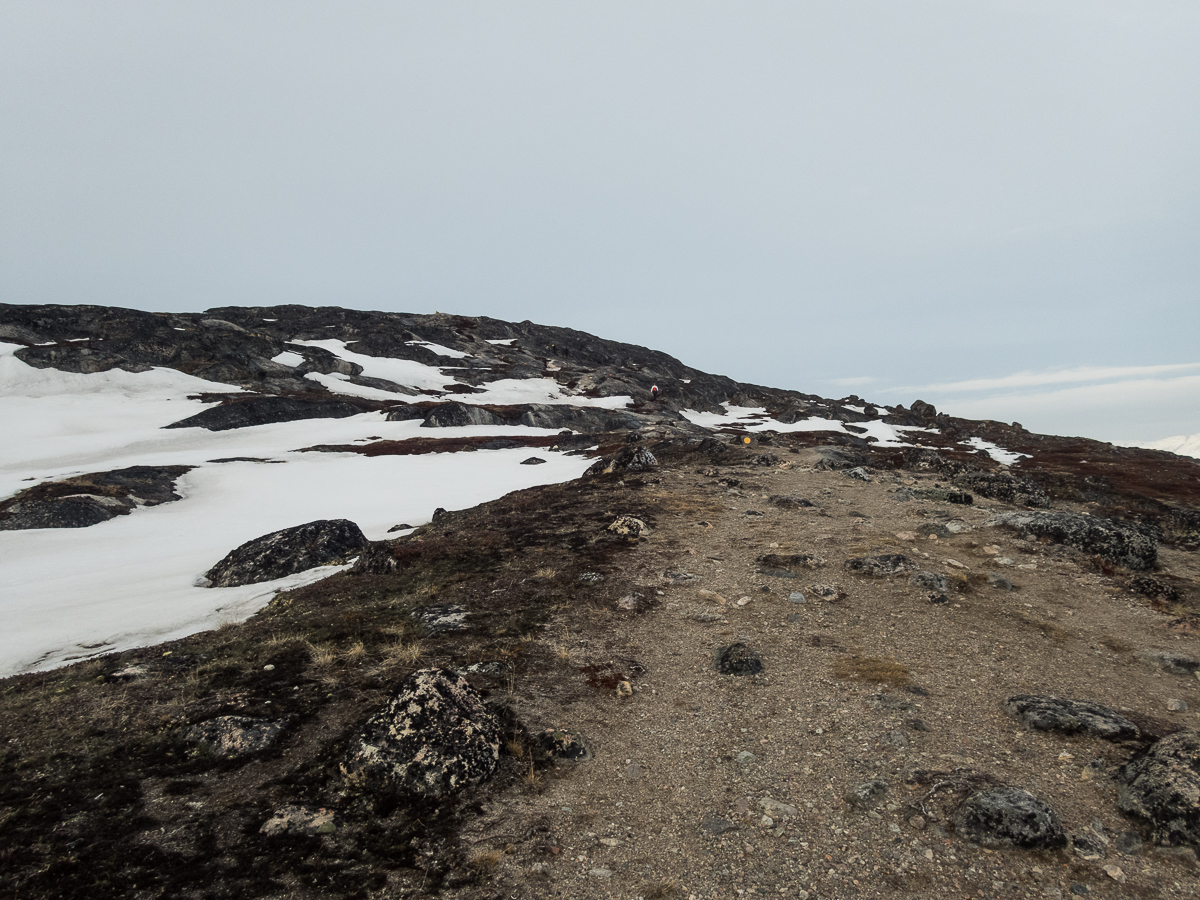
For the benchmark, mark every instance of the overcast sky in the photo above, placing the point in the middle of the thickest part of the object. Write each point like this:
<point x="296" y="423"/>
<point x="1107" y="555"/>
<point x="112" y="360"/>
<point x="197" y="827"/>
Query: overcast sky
<point x="993" y="206"/>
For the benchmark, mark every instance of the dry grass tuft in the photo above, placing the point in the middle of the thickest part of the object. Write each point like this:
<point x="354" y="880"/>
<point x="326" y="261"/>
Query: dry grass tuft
<point x="547" y="572"/>
<point x="875" y="669"/>
<point x="484" y="860"/>
<point x="660" y="890"/>
<point x="323" y="656"/>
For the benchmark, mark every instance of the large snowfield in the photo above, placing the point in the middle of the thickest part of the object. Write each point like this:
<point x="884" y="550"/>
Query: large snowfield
<point x="66" y="594"/>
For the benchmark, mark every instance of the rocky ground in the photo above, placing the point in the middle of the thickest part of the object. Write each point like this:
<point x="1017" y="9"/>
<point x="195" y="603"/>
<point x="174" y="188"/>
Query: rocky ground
<point x="742" y="671"/>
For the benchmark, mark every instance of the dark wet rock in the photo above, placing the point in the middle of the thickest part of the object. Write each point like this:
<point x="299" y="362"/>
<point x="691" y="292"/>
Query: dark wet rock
<point x="789" y="502"/>
<point x="881" y="566"/>
<point x="533" y="461"/>
<point x="1009" y="817"/>
<point x="1046" y="713"/>
<point x="630" y="459"/>
<point x="1174" y="663"/>
<point x="1126" y="544"/>
<point x="436" y="737"/>
<point x="1162" y="788"/>
<point x="305" y="820"/>
<point x="86" y="500"/>
<point x="236" y="735"/>
<point x="938" y="599"/>
<point x="788" y="565"/>
<point x="441" y="618"/>
<point x="1154" y="588"/>
<point x="288" y="551"/>
<point x="265" y="410"/>
<point x="738" y="659"/>
<point x="930" y="581"/>
<point x="452" y="415"/>
<point x="1004" y="487"/>
<point x="560" y="744"/>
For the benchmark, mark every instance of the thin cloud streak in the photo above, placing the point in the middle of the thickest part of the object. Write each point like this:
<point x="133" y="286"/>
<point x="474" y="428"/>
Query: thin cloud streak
<point x="1059" y="376"/>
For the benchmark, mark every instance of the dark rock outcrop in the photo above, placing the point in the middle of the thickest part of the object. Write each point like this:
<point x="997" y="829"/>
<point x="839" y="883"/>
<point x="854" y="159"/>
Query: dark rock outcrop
<point x="87" y="500"/>
<point x="435" y="737"/>
<point x="579" y="418"/>
<point x="1126" y="544"/>
<point x="1045" y="713"/>
<point x="1005" y="488"/>
<point x="630" y="459"/>
<point x="881" y="566"/>
<point x="288" y="551"/>
<point x="454" y="415"/>
<point x="1009" y="817"/>
<point x="265" y="410"/>
<point x="1162" y="787"/>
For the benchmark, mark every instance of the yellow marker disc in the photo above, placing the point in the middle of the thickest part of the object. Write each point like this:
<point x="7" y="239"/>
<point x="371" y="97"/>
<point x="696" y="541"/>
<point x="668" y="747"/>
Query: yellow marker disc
<point x="745" y="440"/>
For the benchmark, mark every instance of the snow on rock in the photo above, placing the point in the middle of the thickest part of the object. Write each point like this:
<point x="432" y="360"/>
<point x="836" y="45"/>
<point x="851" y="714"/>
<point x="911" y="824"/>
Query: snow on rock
<point x="755" y="419"/>
<point x="288" y="358"/>
<point x="439" y="349"/>
<point x="999" y="454"/>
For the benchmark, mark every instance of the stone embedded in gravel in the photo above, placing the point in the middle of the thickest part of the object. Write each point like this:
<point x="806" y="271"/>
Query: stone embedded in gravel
<point x="1124" y="543"/>
<point x="789" y="502"/>
<point x="930" y="581"/>
<point x="434" y="738"/>
<point x="1046" y="713"/>
<point x="1173" y="663"/>
<point x="786" y="565"/>
<point x="745" y="757"/>
<point x="999" y="582"/>
<point x="716" y="825"/>
<point x="560" y="744"/>
<point x="288" y="551"/>
<point x="777" y="810"/>
<point x="629" y="526"/>
<point x="231" y="736"/>
<point x="859" y="473"/>
<point x="1177" y="705"/>
<point x="300" y="820"/>
<point x="1162" y="787"/>
<point x="862" y="795"/>
<point x="671" y="577"/>
<point x="880" y="566"/>
<point x="1009" y="817"/>
<point x="796" y="597"/>
<point x="738" y="659"/>
<point x="825" y="591"/>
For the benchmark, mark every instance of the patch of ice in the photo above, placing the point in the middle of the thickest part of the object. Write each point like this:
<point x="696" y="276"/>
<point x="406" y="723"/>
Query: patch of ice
<point x="288" y="358"/>
<point x="504" y="341"/>
<point x="999" y="454"/>
<point x="440" y="350"/>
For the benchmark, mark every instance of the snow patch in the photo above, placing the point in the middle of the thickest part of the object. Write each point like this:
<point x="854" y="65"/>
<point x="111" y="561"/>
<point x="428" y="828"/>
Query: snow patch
<point x="288" y="358"/>
<point x="439" y="349"/>
<point x="755" y="419"/>
<point x="999" y="454"/>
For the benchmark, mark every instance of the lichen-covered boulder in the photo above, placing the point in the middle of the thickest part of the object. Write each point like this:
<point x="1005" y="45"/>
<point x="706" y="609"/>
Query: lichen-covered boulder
<point x="1009" y="817"/>
<point x="231" y="736"/>
<point x="1162" y="787"/>
<point x="737" y="659"/>
<point x="1045" y="713"/>
<point x="630" y="459"/>
<point x="1004" y="487"/>
<point x="1126" y="544"/>
<point x="436" y="737"/>
<point x="288" y="551"/>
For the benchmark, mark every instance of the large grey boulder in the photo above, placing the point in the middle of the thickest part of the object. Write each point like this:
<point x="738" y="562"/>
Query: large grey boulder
<point x="1162" y="787"/>
<point x="630" y="459"/>
<point x="435" y="737"/>
<point x="1045" y="713"/>
<point x="1123" y="543"/>
<point x="577" y="418"/>
<point x="1009" y="817"/>
<point x="288" y="551"/>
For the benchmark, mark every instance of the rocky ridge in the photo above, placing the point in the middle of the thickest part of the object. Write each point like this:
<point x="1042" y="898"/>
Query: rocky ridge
<point x="795" y="667"/>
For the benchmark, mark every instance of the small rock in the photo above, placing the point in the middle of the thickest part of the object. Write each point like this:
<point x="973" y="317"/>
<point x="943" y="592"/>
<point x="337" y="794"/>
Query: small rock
<point x="631" y="602"/>
<point x="532" y="461"/>
<point x="561" y="744"/>
<point x="1009" y="817"/>
<point x="796" y="597"/>
<point x="300" y="820"/>
<point x="738" y="659"/>
<point x="1173" y="663"/>
<point x="999" y="582"/>
<point x="955" y="564"/>
<point x="777" y="809"/>
<point x="591" y="578"/>
<point x="742" y="601"/>
<point x="1115" y="873"/>
<point x="231" y="736"/>
<point x="880" y="566"/>
<point x="864" y="793"/>
<point x="601" y="873"/>
<point x="717" y="825"/>
<point x="859" y="473"/>
<point x="1177" y="705"/>
<point x="930" y="581"/>
<point x="745" y="757"/>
